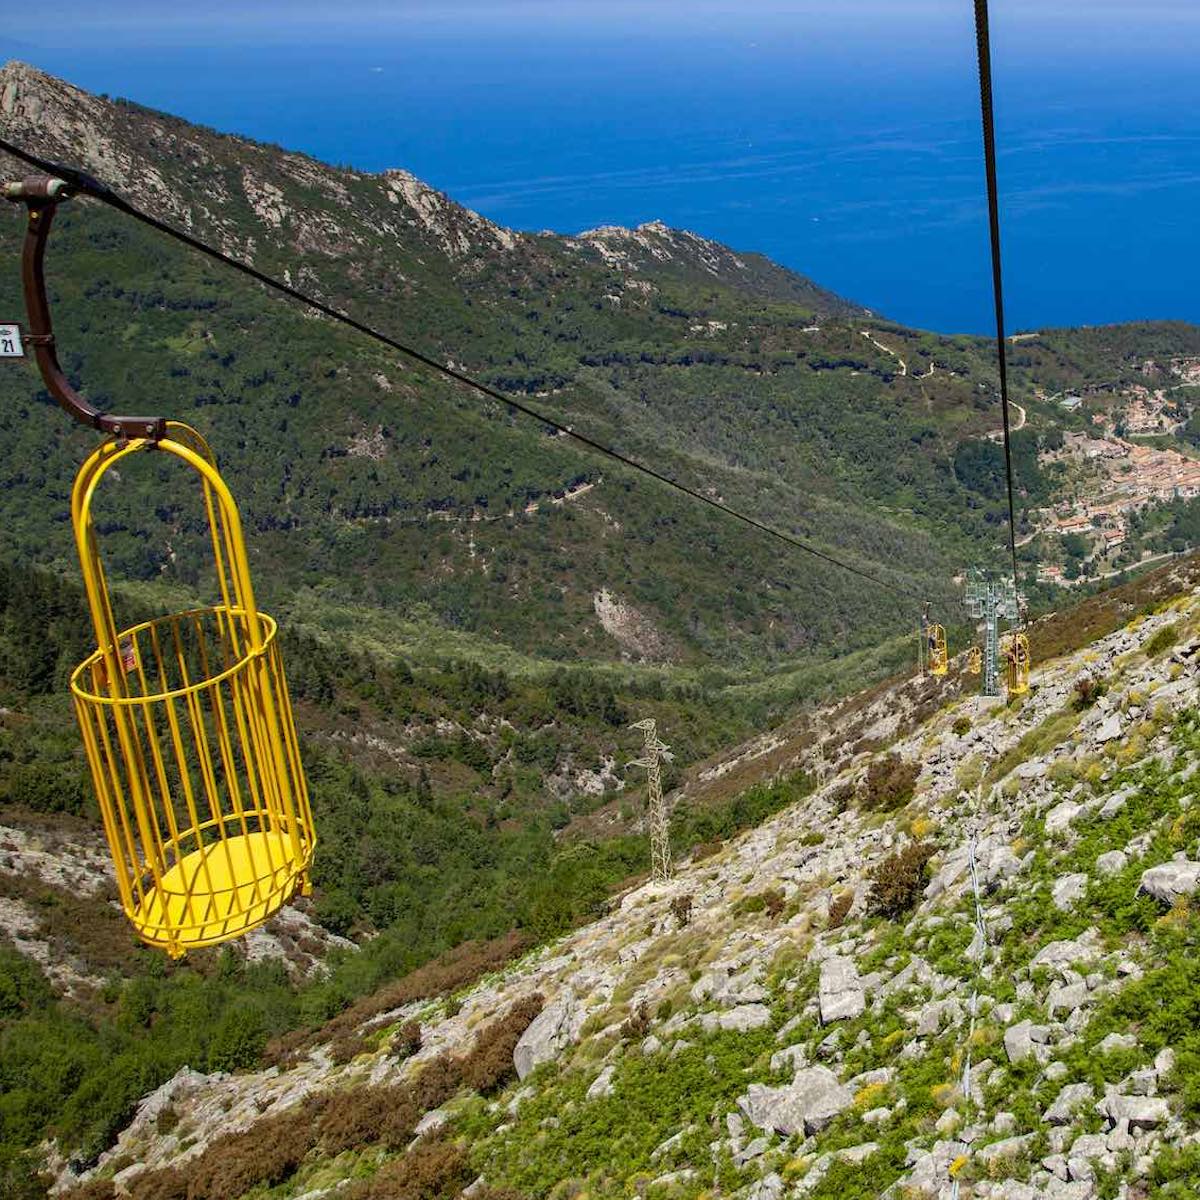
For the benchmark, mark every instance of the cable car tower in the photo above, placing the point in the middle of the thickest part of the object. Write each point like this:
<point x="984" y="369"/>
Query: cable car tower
<point x="653" y="751"/>
<point x="991" y="600"/>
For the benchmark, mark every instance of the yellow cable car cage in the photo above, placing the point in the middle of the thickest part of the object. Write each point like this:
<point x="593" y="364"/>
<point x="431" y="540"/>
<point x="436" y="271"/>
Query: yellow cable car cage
<point x="186" y="720"/>
<point x="937" y="659"/>
<point x="974" y="661"/>
<point x="1016" y="657"/>
<point x="189" y="734"/>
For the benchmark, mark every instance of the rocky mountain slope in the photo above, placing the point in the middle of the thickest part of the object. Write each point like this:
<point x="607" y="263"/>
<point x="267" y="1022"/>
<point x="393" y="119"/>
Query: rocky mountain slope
<point x="977" y="970"/>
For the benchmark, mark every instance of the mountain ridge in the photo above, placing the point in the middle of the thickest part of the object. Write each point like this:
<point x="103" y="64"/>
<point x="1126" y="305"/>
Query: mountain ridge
<point x="35" y="102"/>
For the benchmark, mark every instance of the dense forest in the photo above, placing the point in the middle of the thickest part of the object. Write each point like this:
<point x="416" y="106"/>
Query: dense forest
<point x="400" y="512"/>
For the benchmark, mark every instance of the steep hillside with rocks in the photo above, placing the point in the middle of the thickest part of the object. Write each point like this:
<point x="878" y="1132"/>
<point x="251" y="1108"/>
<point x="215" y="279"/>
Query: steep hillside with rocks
<point x="965" y="961"/>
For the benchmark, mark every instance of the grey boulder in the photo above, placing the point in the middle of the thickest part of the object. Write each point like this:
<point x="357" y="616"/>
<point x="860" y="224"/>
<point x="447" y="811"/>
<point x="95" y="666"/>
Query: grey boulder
<point x="550" y="1032"/>
<point x="1170" y="880"/>
<point x="806" y="1105"/>
<point x="840" y="990"/>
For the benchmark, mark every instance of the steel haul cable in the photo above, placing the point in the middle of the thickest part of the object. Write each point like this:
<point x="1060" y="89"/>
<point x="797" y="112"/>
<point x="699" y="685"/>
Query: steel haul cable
<point x="85" y="184"/>
<point x="987" y="113"/>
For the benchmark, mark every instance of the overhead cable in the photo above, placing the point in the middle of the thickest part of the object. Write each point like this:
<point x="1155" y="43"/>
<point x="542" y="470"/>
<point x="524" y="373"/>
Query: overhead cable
<point x="987" y="112"/>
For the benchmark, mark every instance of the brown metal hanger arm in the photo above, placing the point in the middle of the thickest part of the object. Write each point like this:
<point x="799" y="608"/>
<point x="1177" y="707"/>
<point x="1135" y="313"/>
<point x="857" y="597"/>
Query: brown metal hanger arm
<point x="41" y="195"/>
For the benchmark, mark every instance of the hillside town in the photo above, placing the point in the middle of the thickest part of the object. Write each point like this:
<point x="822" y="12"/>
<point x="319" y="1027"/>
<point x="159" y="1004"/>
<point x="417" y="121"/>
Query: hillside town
<point x="1113" y="475"/>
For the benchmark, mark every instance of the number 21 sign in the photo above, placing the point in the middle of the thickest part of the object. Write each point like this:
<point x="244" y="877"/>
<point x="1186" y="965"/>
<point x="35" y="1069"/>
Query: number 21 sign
<point x="10" y="342"/>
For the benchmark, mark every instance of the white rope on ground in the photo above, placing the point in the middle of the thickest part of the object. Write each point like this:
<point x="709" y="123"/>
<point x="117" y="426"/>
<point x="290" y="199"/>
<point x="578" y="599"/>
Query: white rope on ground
<point x="978" y="952"/>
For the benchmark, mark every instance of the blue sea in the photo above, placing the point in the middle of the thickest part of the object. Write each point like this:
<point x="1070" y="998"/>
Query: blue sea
<point x="839" y="138"/>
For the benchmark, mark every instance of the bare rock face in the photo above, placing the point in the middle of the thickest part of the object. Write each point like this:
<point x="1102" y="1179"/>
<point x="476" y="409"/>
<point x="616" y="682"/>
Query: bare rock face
<point x="1072" y="1097"/>
<point x="1069" y="890"/>
<point x="840" y="991"/>
<point x="1170" y="880"/>
<point x="1064" y="954"/>
<point x="554" y="1029"/>
<point x="1020" y="1040"/>
<point x="741" y="1019"/>
<point x="633" y="630"/>
<point x="1139" y="1111"/>
<point x="602" y="1085"/>
<point x="806" y="1105"/>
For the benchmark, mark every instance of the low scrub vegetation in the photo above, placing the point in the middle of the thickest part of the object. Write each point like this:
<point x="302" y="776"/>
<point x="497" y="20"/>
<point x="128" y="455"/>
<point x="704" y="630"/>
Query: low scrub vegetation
<point x="888" y="784"/>
<point x="334" y="1122"/>
<point x="897" y="882"/>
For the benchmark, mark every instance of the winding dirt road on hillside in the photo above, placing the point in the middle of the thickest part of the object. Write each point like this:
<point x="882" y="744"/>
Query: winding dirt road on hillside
<point x="886" y="349"/>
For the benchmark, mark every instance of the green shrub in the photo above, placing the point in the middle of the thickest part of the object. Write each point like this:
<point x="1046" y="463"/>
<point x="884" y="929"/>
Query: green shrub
<point x="772" y="902"/>
<point x="21" y="1178"/>
<point x="237" y="1044"/>
<point x="898" y="881"/>
<point x="961" y="726"/>
<point x="1163" y="640"/>
<point x="47" y="788"/>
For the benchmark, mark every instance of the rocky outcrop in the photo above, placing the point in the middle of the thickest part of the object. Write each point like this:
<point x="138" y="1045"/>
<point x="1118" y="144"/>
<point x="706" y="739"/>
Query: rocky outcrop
<point x="793" y="1007"/>
<point x="551" y="1031"/>
<point x="1171" y="881"/>
<point x="840" y="990"/>
<point x="806" y="1105"/>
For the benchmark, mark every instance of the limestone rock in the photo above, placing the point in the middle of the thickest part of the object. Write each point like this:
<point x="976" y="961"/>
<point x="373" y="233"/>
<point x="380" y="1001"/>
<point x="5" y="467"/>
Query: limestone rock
<point x="550" y="1032"/>
<point x="840" y="991"/>
<point x="1141" y="1111"/>
<point x="1063" y="954"/>
<point x="1068" y="998"/>
<point x="806" y="1105"/>
<point x="793" y="1057"/>
<point x="856" y="1154"/>
<point x="770" y="1187"/>
<point x="602" y="1085"/>
<point x="431" y="1122"/>
<point x="1018" y="1041"/>
<point x="1170" y="880"/>
<point x="1061" y="816"/>
<point x="1068" y="891"/>
<point x="1005" y="1148"/>
<point x="1072" y="1097"/>
<point x="741" y="1019"/>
